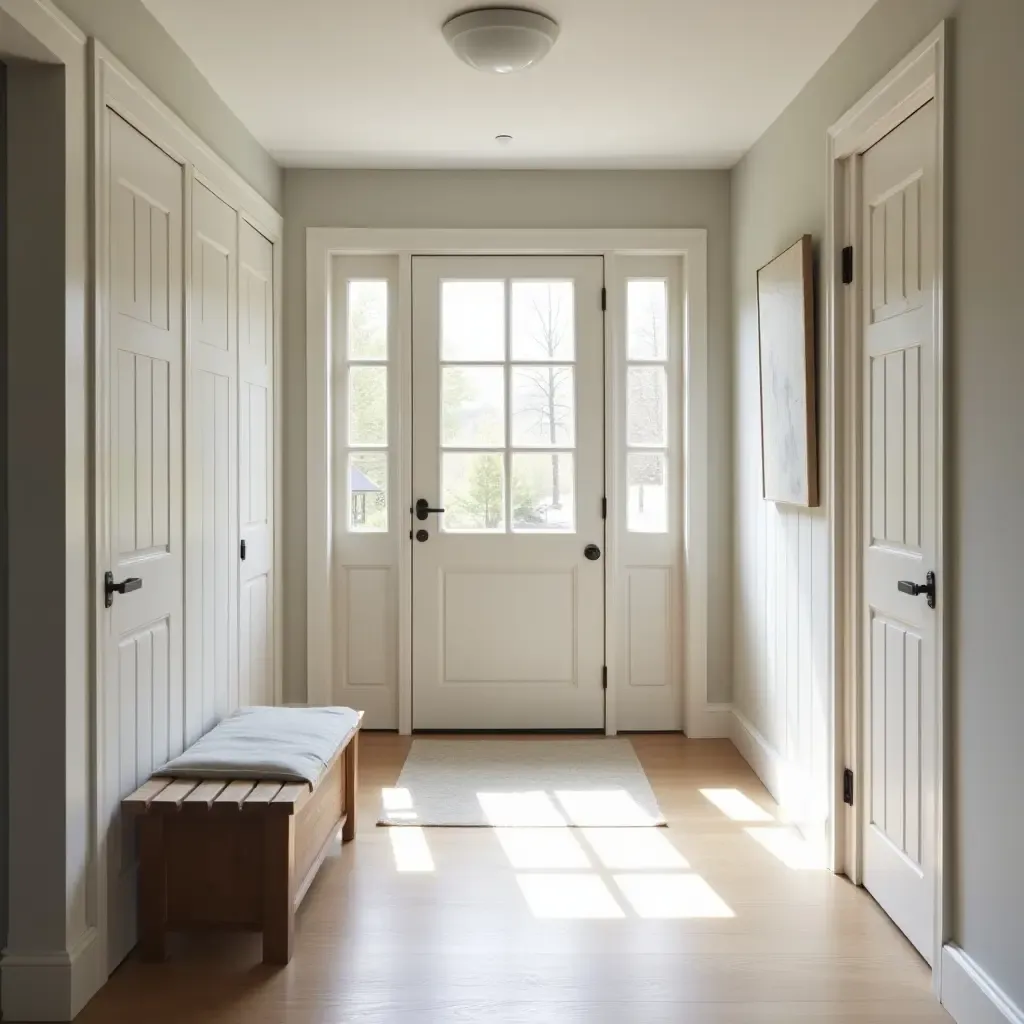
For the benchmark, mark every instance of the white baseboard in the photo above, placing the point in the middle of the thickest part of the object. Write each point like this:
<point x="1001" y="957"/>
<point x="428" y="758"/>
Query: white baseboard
<point x="51" y="986"/>
<point x="970" y="996"/>
<point x="709" y="722"/>
<point x="768" y="764"/>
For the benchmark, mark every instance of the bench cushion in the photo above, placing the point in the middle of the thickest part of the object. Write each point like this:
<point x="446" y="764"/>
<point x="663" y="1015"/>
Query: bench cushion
<point x="276" y="744"/>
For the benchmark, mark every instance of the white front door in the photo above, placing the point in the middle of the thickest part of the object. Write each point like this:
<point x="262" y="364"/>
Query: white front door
<point x="143" y="701"/>
<point x="899" y="213"/>
<point x="508" y="439"/>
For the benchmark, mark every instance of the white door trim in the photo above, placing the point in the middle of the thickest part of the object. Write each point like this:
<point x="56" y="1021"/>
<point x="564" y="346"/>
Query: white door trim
<point x="321" y="244"/>
<point x="921" y="77"/>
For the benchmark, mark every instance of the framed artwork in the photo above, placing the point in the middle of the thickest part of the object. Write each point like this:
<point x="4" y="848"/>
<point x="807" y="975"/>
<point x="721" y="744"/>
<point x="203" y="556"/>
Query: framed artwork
<point x="785" y="318"/>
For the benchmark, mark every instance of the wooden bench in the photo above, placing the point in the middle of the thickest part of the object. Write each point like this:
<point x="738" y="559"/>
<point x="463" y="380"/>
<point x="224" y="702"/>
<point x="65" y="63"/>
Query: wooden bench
<point x="223" y="854"/>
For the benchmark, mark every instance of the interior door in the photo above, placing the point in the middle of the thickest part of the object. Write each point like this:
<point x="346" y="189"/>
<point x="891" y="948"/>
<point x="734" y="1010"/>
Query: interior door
<point x="256" y="467"/>
<point x="899" y="221"/>
<point x="508" y="477"/>
<point x="143" y="700"/>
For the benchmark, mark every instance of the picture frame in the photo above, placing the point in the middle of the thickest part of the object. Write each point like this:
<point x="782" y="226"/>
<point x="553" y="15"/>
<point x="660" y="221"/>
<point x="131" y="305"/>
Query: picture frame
<point x="786" y="356"/>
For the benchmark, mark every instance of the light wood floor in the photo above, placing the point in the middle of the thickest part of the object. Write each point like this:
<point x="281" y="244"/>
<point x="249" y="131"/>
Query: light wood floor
<point x="464" y="943"/>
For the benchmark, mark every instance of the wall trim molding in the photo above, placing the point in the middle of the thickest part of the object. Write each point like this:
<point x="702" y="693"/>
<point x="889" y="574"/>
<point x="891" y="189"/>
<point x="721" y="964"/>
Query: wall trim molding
<point x="970" y="995"/>
<point x="52" y="986"/>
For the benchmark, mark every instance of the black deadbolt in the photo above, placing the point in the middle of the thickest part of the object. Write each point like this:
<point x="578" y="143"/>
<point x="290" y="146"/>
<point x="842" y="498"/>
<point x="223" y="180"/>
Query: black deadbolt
<point x="592" y="551"/>
<point x="422" y="535"/>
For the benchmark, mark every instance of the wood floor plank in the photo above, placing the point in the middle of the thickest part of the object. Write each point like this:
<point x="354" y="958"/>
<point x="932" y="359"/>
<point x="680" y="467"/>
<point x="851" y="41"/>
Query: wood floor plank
<point x="452" y="925"/>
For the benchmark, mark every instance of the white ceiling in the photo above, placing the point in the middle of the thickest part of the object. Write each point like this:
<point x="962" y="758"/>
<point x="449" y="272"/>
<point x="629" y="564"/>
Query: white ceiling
<point x="630" y="83"/>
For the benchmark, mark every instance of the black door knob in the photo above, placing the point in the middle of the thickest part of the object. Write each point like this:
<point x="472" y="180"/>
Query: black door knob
<point x="592" y="551"/>
<point x="422" y="535"/>
<point x="917" y="589"/>
<point x="423" y="509"/>
<point x="128" y="586"/>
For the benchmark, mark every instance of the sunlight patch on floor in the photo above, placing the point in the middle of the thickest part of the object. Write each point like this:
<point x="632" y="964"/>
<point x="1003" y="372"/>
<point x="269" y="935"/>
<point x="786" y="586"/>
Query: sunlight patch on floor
<point x="411" y="852"/>
<point x="634" y="849"/>
<point x="569" y="897"/>
<point x="789" y="847"/>
<point x="736" y="805"/>
<point x="597" y="807"/>
<point x="672" y="897"/>
<point x="544" y="848"/>
<point x="509" y="810"/>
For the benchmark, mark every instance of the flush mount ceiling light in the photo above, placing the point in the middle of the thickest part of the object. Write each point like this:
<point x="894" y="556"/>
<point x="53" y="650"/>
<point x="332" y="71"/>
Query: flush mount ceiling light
<point x="500" y="39"/>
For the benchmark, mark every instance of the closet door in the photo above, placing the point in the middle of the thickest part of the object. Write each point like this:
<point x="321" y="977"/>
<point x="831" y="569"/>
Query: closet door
<point x="256" y="467"/>
<point x="211" y="571"/>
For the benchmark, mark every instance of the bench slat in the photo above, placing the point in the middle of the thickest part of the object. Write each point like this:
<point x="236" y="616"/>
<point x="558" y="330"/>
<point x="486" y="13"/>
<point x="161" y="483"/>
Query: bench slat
<point x="203" y="795"/>
<point x="291" y="798"/>
<point x="232" y="795"/>
<point x="170" y="798"/>
<point x="139" y="800"/>
<point x="262" y="794"/>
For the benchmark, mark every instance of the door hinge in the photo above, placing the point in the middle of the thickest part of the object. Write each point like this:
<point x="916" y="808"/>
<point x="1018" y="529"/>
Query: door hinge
<point x="604" y="300"/>
<point x="848" y="787"/>
<point x="241" y="550"/>
<point x="604" y="508"/>
<point x="604" y="677"/>
<point x="848" y="264"/>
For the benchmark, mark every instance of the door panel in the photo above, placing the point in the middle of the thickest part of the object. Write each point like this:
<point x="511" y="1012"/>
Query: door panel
<point x="508" y="439"/>
<point x="143" y="697"/>
<point x="256" y="467"/>
<point x="211" y="456"/>
<point x="899" y="218"/>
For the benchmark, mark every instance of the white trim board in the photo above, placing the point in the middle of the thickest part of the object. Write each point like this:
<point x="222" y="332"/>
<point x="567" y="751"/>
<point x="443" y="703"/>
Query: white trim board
<point x="921" y="77"/>
<point x="321" y="244"/>
<point x="970" y="995"/>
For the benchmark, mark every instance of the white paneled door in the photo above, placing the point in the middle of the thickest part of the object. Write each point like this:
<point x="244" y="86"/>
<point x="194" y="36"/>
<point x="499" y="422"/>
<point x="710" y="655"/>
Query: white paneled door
<point x="508" y="440"/>
<point x="143" y="699"/>
<point x="256" y="467"/>
<point x="899" y="213"/>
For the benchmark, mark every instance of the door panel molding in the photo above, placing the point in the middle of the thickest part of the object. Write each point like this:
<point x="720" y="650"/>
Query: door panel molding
<point x="699" y="717"/>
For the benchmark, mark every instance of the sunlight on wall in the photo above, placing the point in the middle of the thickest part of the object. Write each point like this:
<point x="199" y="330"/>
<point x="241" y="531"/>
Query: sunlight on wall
<point x="634" y="849"/>
<point x="409" y="846"/>
<point x="542" y="848"/>
<point x="736" y="805"/>
<point x="672" y="897"/>
<point x="575" y="897"/>
<point x="789" y="847"/>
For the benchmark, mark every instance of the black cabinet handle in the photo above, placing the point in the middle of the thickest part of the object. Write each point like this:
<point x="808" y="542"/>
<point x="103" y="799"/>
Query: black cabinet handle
<point x="917" y="589"/>
<point x="423" y="509"/>
<point x="128" y="586"/>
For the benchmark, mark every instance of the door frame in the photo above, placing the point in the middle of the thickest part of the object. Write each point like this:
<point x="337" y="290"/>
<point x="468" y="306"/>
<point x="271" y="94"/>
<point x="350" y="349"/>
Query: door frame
<point x="700" y="719"/>
<point x="114" y="86"/>
<point x="920" y="78"/>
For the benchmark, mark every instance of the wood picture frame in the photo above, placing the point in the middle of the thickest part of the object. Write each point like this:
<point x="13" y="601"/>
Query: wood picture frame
<point x="786" y="358"/>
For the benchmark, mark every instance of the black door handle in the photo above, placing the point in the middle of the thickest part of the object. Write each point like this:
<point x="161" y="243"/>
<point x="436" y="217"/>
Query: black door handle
<point x="127" y="586"/>
<point x="917" y="589"/>
<point x="592" y="551"/>
<point x="423" y="509"/>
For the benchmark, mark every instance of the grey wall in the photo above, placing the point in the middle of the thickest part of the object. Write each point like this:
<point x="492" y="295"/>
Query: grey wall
<point x="778" y="193"/>
<point x="140" y="42"/>
<point x="499" y="199"/>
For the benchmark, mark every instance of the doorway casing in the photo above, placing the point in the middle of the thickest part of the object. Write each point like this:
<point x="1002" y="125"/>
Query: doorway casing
<point x="700" y="718"/>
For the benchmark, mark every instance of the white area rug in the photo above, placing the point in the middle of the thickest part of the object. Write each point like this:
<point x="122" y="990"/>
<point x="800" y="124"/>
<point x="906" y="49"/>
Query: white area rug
<point x="522" y="783"/>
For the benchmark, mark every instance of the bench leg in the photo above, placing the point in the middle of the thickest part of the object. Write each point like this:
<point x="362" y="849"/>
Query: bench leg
<point x="351" y="755"/>
<point x="152" y="888"/>
<point x="278" y="904"/>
